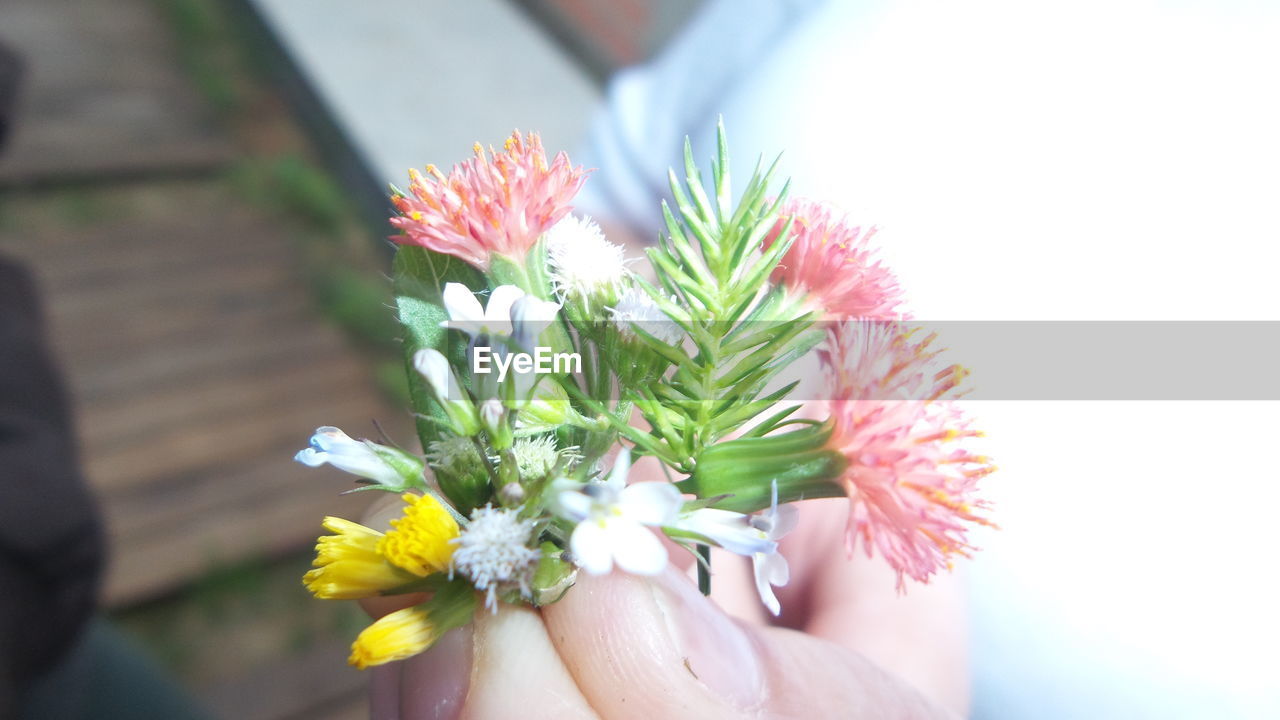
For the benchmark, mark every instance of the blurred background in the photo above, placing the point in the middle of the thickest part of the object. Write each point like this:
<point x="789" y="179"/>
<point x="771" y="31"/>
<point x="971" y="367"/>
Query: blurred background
<point x="198" y="188"/>
<point x="203" y="211"/>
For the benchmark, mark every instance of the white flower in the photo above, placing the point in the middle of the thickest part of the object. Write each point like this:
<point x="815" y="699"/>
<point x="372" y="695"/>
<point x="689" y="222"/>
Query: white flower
<point x="611" y="519"/>
<point x="465" y="313"/>
<point x="582" y="261"/>
<point x="754" y="536"/>
<point x="383" y="465"/>
<point x="635" y="306"/>
<point x="493" y="551"/>
<point x="730" y="530"/>
<point x="510" y="312"/>
<point x="771" y="568"/>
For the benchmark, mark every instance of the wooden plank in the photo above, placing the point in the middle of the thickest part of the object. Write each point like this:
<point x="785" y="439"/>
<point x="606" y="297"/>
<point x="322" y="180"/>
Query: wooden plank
<point x="135" y="420"/>
<point x="103" y="94"/>
<point x="270" y="422"/>
<point x="104" y="334"/>
<point x="256" y="344"/>
<point x="275" y="509"/>
<point x="318" y="685"/>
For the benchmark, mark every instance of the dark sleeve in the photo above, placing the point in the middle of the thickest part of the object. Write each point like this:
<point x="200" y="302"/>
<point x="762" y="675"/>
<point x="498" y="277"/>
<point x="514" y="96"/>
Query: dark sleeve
<point x="51" y="547"/>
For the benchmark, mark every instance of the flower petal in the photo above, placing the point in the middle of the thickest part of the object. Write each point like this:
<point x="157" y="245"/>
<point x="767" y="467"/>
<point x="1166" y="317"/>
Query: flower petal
<point x="635" y="548"/>
<point x="573" y="504"/>
<point x="530" y="316"/>
<point x="433" y="366"/>
<point x="498" y="310"/>
<point x="328" y="437"/>
<point x="763" y="569"/>
<point x="730" y="530"/>
<point x="783" y="522"/>
<point x="311" y="457"/>
<point x="621" y="466"/>
<point x="464" y="309"/>
<point x="592" y="547"/>
<point x="651" y="503"/>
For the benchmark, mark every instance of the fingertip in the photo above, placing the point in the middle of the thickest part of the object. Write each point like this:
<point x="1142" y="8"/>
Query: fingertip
<point x="384" y="692"/>
<point x="434" y="684"/>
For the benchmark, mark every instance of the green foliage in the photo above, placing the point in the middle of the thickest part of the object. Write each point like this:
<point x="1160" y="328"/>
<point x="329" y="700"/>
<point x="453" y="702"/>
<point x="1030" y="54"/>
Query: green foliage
<point x="291" y="185"/>
<point x="712" y="277"/>
<point x="419" y="279"/>
<point x="206" y="47"/>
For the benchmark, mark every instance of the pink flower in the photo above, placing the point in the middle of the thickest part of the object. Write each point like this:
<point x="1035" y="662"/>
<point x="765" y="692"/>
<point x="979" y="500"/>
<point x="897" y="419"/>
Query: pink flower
<point x="497" y="203"/>
<point x="911" y="484"/>
<point x="831" y="265"/>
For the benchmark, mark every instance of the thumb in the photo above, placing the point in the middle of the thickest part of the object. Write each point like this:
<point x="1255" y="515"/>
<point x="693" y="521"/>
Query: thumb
<point x="655" y="647"/>
<point x="502" y="666"/>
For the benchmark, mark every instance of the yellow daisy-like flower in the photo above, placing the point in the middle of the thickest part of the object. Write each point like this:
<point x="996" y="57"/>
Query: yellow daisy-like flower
<point x="348" y="566"/>
<point x="420" y="542"/>
<point x="403" y="633"/>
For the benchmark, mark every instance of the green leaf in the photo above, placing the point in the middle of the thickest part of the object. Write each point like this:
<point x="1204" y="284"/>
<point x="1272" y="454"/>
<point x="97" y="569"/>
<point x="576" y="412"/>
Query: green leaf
<point x="419" y="278"/>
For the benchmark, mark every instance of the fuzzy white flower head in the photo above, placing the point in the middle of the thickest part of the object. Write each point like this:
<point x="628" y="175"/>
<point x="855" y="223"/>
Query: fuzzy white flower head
<point x="635" y="306"/>
<point x="454" y="453"/>
<point x="493" y="552"/>
<point x="582" y="261"/>
<point x="611" y="519"/>
<point x="536" y="457"/>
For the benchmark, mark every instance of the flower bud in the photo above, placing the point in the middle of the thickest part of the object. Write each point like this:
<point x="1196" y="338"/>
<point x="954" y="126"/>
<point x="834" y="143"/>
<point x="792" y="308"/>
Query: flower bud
<point x="800" y="462"/>
<point x="493" y="418"/>
<point x="461" y="472"/>
<point x="434" y="368"/>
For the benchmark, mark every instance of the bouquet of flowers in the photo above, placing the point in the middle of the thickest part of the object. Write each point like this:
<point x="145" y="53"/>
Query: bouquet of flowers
<point x="542" y="361"/>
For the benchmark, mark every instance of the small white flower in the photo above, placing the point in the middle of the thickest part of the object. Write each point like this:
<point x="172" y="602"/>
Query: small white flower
<point x="730" y="530"/>
<point x="635" y="306"/>
<point x="465" y="313"/>
<point x="493" y="551"/>
<point x="611" y="519"/>
<point x="582" y="261"/>
<point x="359" y="457"/>
<point x="771" y="568"/>
<point x="510" y="312"/>
<point x="753" y="536"/>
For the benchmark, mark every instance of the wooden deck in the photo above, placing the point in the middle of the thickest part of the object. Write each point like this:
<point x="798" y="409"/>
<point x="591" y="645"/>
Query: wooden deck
<point x="198" y="367"/>
<point x="103" y="102"/>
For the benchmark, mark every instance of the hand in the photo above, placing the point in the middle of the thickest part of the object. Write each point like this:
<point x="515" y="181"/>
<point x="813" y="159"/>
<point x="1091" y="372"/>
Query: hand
<point x="623" y="646"/>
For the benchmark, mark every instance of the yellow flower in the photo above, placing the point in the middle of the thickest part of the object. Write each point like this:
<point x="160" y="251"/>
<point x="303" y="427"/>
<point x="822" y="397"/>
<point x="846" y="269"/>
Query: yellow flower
<point x="407" y="632"/>
<point x="403" y="633"/>
<point x="420" y="541"/>
<point x="348" y="565"/>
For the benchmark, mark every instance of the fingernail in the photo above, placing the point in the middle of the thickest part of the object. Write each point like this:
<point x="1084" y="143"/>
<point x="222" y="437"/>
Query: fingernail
<point x="716" y="650"/>
<point x="433" y="685"/>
